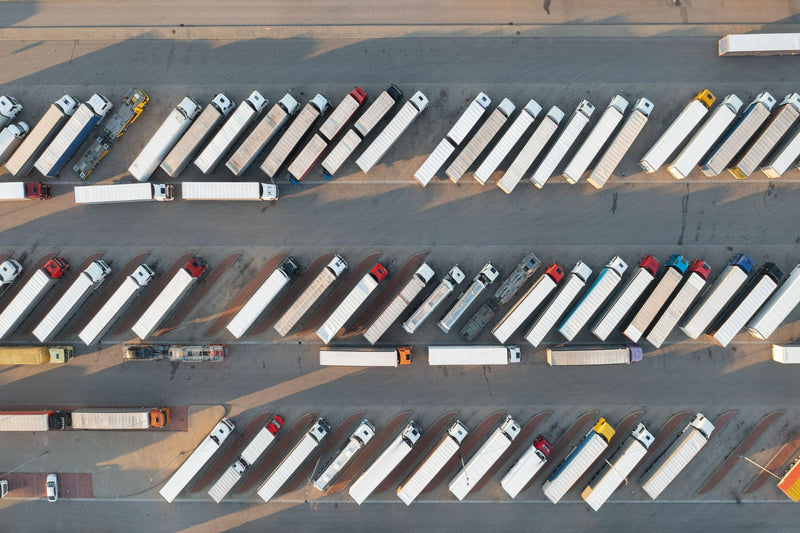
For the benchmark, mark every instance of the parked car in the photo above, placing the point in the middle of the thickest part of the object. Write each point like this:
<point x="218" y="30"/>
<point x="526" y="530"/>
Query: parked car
<point x="52" y="488"/>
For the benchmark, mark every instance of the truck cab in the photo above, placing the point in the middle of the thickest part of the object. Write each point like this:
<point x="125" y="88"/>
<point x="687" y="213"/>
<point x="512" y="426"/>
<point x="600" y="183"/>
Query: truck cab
<point x="706" y="97"/>
<point x="98" y="271"/>
<point x="604" y="429"/>
<point x="650" y="264"/>
<point x="543" y="445"/>
<point x="290" y="267"/>
<point x="9" y="108"/>
<point x="56" y="267"/>
<point x="379" y="272"/>
<point x="700" y="267"/>
<point x="143" y="275"/>
<point x="60" y="354"/>
<point x="196" y="267"/>
<point x="555" y="272"/>
<point x="320" y="429"/>
<point x="412" y="433"/>
<point x="163" y="192"/>
<point x="160" y="417"/>
<point x="59" y="421"/>
<point x="153" y="352"/>
<point x="9" y="271"/>
<point x="37" y="191"/>
<point x="275" y="424"/>
<point x="404" y="355"/>
<point x="510" y="427"/>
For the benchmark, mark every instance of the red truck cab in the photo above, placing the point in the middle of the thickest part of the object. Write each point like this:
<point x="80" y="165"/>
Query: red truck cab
<point x="701" y="268"/>
<point x="359" y="95"/>
<point x="196" y="267"/>
<point x="379" y="272"/>
<point x="275" y="424"/>
<point x="36" y="190"/>
<point x="555" y="272"/>
<point x="56" y="267"/>
<point x="542" y="445"/>
<point x="650" y="264"/>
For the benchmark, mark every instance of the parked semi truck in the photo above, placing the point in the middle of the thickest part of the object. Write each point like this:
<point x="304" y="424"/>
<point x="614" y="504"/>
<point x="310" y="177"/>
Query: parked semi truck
<point x="677" y="132"/>
<point x="294" y="134"/>
<point x="266" y="130"/>
<point x="133" y="103"/>
<point x="784" y="156"/>
<point x="759" y="44"/>
<point x="10" y="269"/>
<point x="197" y="460"/>
<point x="249" y="456"/>
<point x="342" y="114"/>
<point x="399" y="303"/>
<point x="593" y="355"/>
<point x="641" y="278"/>
<point x="164" y="139"/>
<point x="357" y="442"/>
<point x="579" y="460"/>
<point x="29" y="295"/>
<point x="566" y="294"/>
<point x="746" y="304"/>
<point x="671" y="276"/>
<point x="35" y="355"/>
<point x="478" y="320"/>
<point x="229" y="191"/>
<point x="71" y="136"/>
<point x="348" y="307"/>
<point x="487" y="275"/>
<point x="523" y="470"/>
<point x="598" y="293"/>
<point x="734" y="141"/>
<point x="124" y="193"/>
<point x="618" y="468"/>
<point x="264" y="296"/>
<point x="678" y="456"/>
<point x="449" y="282"/>
<point x="166" y="301"/>
<point x="119" y="418"/>
<point x="24" y="157"/>
<point x="774" y="312"/>
<point x="534" y="146"/>
<point x="62" y="310"/>
<point x="579" y="119"/>
<point x="392" y="131"/>
<point x="311" y="295"/>
<point x="717" y="297"/>
<point x="455" y="137"/>
<point x="529" y="303"/>
<point x="694" y="281"/>
<point x="198" y="134"/>
<point x="386" y="462"/>
<point x="34" y="421"/>
<point x="788" y="354"/>
<point x="116" y="304"/>
<point x="10" y="138"/>
<point x="507" y="142"/>
<point x="412" y="487"/>
<point x="365" y="356"/>
<point x="524" y="270"/>
<point x="20" y="190"/>
<point x="9" y="109"/>
<point x="630" y="130"/>
<point x="473" y="355"/>
<point x="596" y="140"/>
<point x="366" y="122"/>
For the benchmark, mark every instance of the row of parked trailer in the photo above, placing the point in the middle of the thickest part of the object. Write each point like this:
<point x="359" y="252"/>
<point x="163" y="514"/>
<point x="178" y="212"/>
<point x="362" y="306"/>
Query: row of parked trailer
<point x="615" y="471"/>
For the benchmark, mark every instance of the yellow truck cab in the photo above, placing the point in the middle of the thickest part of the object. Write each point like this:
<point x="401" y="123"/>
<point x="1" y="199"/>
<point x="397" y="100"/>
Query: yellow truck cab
<point x="605" y="429"/>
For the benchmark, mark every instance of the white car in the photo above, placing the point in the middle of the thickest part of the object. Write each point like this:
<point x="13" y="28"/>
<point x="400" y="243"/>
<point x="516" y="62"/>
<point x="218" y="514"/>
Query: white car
<point x="52" y="488"/>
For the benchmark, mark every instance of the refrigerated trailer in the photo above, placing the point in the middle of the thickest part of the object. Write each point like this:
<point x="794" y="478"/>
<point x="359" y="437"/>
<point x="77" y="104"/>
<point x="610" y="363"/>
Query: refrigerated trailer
<point x="523" y="470"/>
<point x="126" y="192"/>
<point x="598" y="293"/>
<point x="673" y="272"/>
<point x="357" y="441"/>
<point x="487" y="275"/>
<point x="229" y="191"/>
<point x="529" y="303"/>
<point x="777" y="308"/>
<point x="759" y="44"/>
<point x="677" y="132"/>
<point x="507" y="142"/>
<point x="693" y="283"/>
<point x="449" y="282"/>
<point x="354" y="299"/>
<point x="197" y="135"/>
<point x="596" y="140"/>
<point x="294" y="134"/>
<point x="399" y="303"/>
<point x="640" y="279"/>
<point x="593" y="355"/>
<point x="579" y="119"/>
<point x="30" y="294"/>
<point x="530" y="152"/>
<point x="392" y="357"/>
<point x="473" y="355"/>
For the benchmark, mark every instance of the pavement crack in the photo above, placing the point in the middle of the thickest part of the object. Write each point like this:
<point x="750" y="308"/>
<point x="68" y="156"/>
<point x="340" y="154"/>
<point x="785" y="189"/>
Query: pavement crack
<point x="486" y="371"/>
<point x="684" y="214"/>
<point x="614" y="204"/>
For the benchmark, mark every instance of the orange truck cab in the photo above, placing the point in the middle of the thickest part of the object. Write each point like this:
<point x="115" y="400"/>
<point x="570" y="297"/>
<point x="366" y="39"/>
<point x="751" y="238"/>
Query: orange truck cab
<point x="160" y="417"/>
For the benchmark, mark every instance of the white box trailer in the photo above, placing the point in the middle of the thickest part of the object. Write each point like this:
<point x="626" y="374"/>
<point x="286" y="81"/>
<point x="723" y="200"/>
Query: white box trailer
<point x="385" y="463"/>
<point x="566" y="294"/>
<point x="264" y="296"/>
<point x="593" y="355"/>
<point x="357" y="441"/>
<point x="25" y="421"/>
<point x="112" y="419"/>
<point x="579" y="460"/>
<point x="748" y="305"/>
<point x="785" y="156"/>
<point x="294" y="460"/>
<point x="529" y="303"/>
<point x="777" y="308"/>
<point x="119" y="300"/>
<point x="579" y="119"/>
<point x="62" y="310"/>
<point x="508" y="141"/>
<point x="392" y="131"/>
<point x="449" y="282"/>
<point x="307" y="158"/>
<point x="640" y="279"/>
<point x="618" y="468"/>
<point x="197" y="460"/>
<point x="24" y="301"/>
<point x="22" y="190"/>
<point x="294" y="134"/>
<point x="165" y="137"/>
<point x="486" y="456"/>
<point x="127" y="192"/>
<point x="197" y="135"/>
<point x="782" y="120"/>
<point x="598" y="293"/>
<point x="759" y="44"/>
<point x="342" y="114"/>
<point x="219" y="145"/>
<point x="533" y="147"/>
<point x="392" y="357"/>
<point x="670" y="278"/>
<point x="677" y="132"/>
<point x="523" y="470"/>
<point x="229" y="191"/>
<point x="10" y="139"/>
<point x="717" y="297"/>
<point x="596" y="140"/>
<point x="675" y="459"/>
<point x="22" y="160"/>
<point x="460" y="130"/>
<point x="611" y="158"/>
<point x="478" y="143"/>
<point x="786" y="353"/>
<point x="693" y="283"/>
<point x="734" y="141"/>
<point x="310" y="295"/>
<point x="272" y="123"/>
<point x="708" y="134"/>
<point x="348" y="307"/>
<point x="473" y="355"/>
<point x="412" y="487"/>
<point x="399" y="303"/>
<point x="485" y="277"/>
